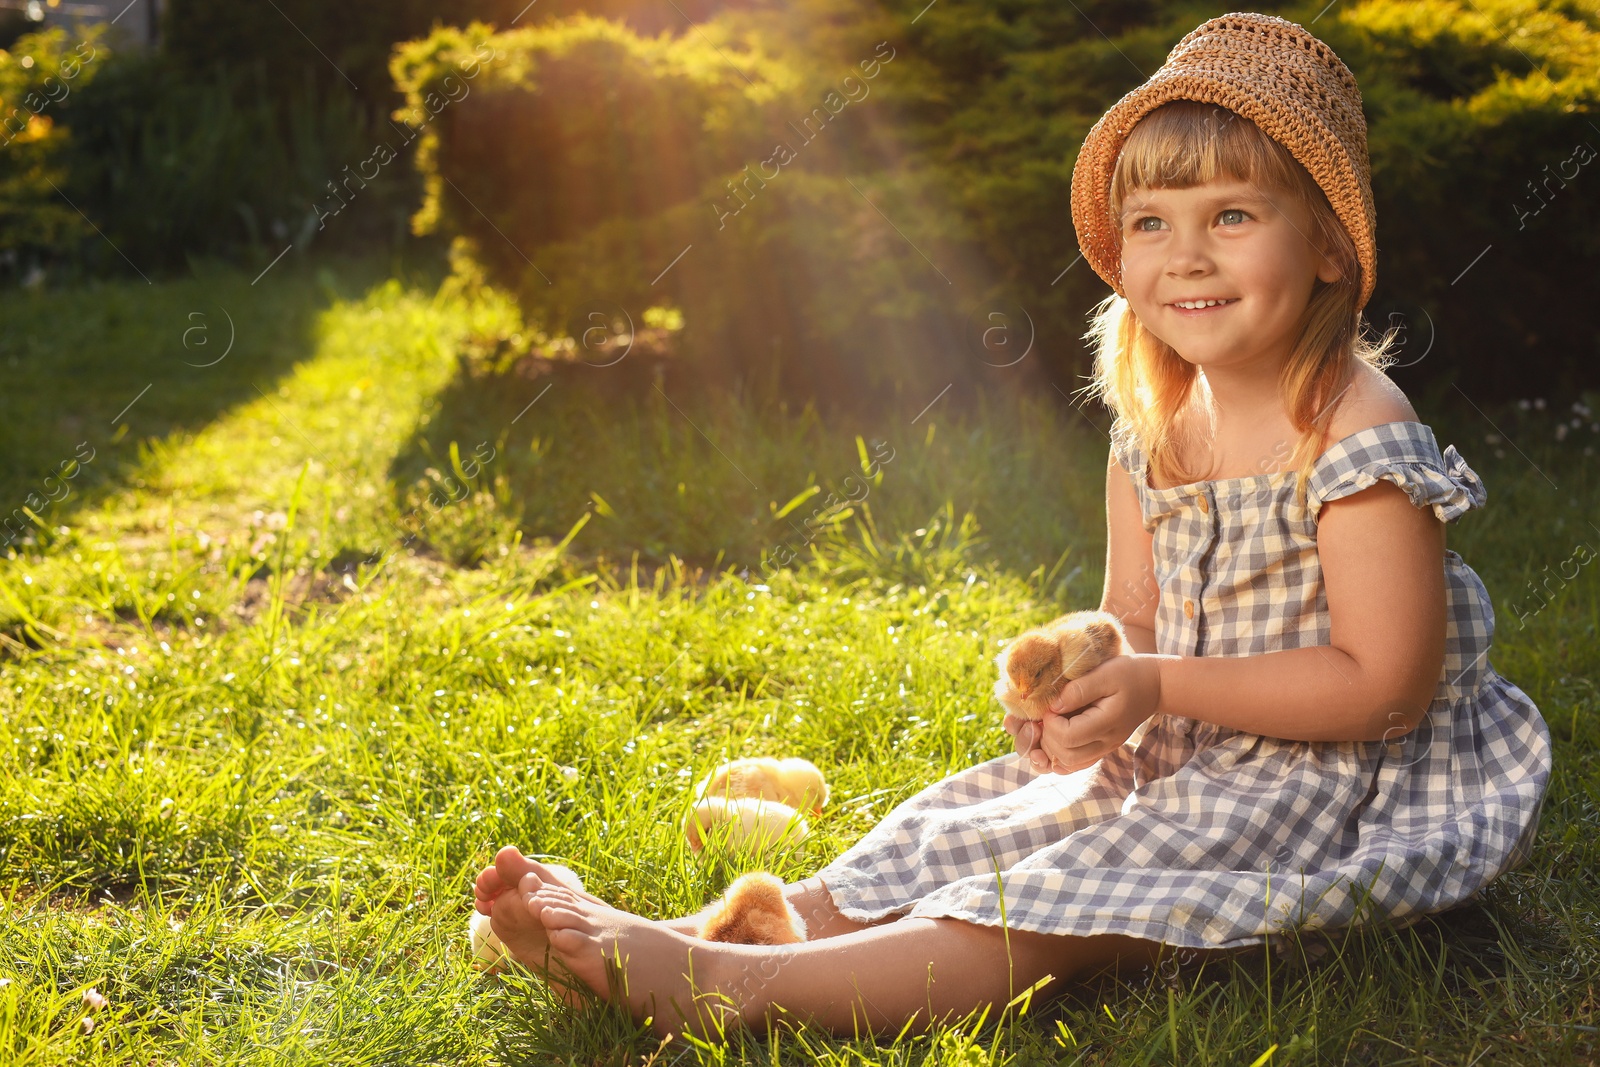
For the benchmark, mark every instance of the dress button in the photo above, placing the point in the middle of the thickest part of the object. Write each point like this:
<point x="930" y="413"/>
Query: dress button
<point x="1205" y="509"/>
<point x="1188" y="609"/>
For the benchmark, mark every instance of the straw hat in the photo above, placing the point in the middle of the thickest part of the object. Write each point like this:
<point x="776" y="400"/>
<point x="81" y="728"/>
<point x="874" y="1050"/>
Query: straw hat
<point x="1270" y="71"/>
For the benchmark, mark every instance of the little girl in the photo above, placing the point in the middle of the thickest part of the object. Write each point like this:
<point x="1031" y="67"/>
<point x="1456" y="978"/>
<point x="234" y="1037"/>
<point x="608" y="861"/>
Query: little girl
<point x="1309" y="734"/>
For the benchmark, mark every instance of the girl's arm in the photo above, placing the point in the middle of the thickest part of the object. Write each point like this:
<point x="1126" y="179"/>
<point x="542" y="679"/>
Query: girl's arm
<point x="1383" y="573"/>
<point x="1130" y="587"/>
<point x="1130" y="592"/>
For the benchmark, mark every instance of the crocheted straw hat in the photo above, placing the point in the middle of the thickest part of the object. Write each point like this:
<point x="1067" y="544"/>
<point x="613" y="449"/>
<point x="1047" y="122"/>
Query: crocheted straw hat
<point x="1270" y="71"/>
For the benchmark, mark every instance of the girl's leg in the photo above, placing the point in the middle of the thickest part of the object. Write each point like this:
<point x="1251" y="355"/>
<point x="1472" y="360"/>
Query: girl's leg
<point x="808" y="897"/>
<point x="879" y="979"/>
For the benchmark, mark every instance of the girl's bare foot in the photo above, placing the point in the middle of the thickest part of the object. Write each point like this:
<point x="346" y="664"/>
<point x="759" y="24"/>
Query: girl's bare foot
<point x="643" y="965"/>
<point x="511" y="866"/>
<point x="519" y="930"/>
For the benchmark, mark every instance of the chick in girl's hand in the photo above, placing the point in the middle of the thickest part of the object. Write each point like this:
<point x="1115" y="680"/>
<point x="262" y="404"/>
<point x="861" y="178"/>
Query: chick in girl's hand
<point x="794" y="781"/>
<point x="1040" y="662"/>
<point x="752" y="822"/>
<point x="753" y="912"/>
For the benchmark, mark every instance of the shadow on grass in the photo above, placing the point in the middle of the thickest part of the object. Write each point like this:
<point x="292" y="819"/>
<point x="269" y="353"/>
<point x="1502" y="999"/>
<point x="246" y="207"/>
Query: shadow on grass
<point x="670" y="464"/>
<point x="94" y="371"/>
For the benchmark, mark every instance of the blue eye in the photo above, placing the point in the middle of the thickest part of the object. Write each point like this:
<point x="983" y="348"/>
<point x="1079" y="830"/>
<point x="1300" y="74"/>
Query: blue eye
<point x="1232" y="211"/>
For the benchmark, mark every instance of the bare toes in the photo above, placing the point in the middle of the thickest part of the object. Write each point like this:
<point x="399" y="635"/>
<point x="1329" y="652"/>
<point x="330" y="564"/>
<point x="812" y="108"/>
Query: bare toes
<point x="518" y="929"/>
<point x="487" y="886"/>
<point x="512" y="866"/>
<point x="554" y="917"/>
<point x="557" y="894"/>
<point x="570" y="943"/>
<point x="556" y="874"/>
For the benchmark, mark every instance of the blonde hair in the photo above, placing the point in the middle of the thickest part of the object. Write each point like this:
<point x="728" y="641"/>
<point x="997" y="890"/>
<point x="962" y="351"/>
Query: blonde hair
<point x="1141" y="378"/>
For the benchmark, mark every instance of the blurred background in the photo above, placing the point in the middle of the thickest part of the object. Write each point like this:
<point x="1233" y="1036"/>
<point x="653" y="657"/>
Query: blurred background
<point x="753" y="243"/>
<point x="869" y="195"/>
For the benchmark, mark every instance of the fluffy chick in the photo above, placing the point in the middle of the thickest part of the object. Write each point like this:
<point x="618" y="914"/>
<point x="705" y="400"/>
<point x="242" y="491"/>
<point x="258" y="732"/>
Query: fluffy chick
<point x="1040" y="662"/>
<point x="490" y="955"/>
<point x="751" y="822"/>
<point x="753" y="912"/>
<point x="794" y="781"/>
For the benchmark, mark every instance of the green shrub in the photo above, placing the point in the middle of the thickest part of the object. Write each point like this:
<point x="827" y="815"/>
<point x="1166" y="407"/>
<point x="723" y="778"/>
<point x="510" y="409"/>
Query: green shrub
<point x="343" y="48"/>
<point x="589" y="172"/>
<point x="1483" y="140"/>
<point x="595" y="172"/>
<point x="172" y="168"/>
<point x="42" y="80"/>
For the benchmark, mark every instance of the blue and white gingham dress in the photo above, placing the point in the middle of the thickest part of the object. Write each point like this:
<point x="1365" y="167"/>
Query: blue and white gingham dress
<point x="1202" y="836"/>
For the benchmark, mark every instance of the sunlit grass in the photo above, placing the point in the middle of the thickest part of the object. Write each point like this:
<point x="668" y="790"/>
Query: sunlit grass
<point x="259" y="725"/>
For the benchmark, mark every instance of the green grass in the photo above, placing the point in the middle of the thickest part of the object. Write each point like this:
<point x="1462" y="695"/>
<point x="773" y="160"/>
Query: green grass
<point x="265" y="710"/>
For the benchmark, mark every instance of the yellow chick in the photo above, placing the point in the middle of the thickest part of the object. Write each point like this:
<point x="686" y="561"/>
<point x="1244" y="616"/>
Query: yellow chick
<point x="1040" y="662"/>
<point x="751" y="822"/>
<point x="490" y="954"/>
<point x="795" y="782"/>
<point x="753" y="912"/>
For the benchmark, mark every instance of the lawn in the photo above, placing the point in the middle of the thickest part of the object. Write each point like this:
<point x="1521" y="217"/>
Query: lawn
<point x="316" y="624"/>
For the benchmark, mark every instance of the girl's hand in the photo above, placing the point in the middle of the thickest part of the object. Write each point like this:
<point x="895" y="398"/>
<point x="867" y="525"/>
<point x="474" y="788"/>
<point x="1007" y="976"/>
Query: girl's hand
<point x="1024" y="731"/>
<point x="1095" y="714"/>
<point x="1025" y="738"/>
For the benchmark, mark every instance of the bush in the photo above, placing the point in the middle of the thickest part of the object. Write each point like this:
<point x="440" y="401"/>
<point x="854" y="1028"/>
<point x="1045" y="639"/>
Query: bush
<point x="580" y="177"/>
<point x="42" y="80"/>
<point x="140" y="168"/>
<point x="346" y="47"/>
<point x="172" y="168"/>
<point x="1482" y="147"/>
<point x="594" y="172"/>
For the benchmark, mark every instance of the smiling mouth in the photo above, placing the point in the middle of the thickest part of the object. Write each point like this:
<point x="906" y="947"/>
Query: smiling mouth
<point x="1202" y="307"/>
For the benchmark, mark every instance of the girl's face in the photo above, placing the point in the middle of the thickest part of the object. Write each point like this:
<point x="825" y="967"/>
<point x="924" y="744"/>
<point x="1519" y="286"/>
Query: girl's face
<point x="1227" y="240"/>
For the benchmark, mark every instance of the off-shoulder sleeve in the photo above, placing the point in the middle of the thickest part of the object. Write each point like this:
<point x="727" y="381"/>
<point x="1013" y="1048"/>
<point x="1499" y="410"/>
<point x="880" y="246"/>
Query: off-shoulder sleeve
<point x="1451" y="490"/>
<point x="1126" y="450"/>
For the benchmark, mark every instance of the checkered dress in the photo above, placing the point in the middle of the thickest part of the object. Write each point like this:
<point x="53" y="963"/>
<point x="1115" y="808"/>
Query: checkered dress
<point x="1203" y="836"/>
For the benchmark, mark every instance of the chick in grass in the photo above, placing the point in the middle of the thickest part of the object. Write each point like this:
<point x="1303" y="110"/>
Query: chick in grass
<point x="747" y="823"/>
<point x="759" y="801"/>
<point x="794" y="781"/>
<point x="1040" y="662"/>
<point x="753" y="912"/>
<point x="488" y="954"/>
<point x="752" y="804"/>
